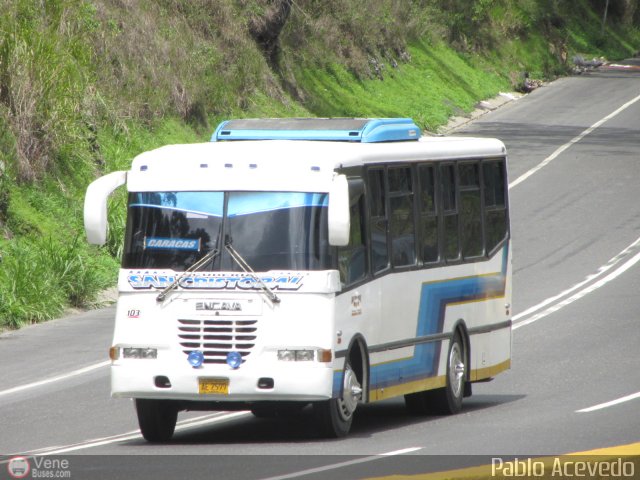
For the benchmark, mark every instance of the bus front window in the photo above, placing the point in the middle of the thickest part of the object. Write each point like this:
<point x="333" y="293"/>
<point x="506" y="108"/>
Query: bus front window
<point x="271" y="230"/>
<point x="171" y="229"/>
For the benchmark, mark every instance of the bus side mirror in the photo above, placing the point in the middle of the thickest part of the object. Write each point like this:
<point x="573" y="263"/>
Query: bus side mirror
<point x="95" y="206"/>
<point x="339" y="222"/>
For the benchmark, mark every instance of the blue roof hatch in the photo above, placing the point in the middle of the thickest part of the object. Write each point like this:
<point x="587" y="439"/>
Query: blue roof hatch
<point x="364" y="130"/>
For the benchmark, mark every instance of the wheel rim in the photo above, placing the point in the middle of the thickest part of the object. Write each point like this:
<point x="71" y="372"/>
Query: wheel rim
<point x="456" y="369"/>
<point x="351" y="394"/>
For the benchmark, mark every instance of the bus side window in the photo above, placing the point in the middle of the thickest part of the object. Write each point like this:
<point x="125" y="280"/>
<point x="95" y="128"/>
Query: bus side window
<point x="401" y="221"/>
<point x="495" y="213"/>
<point x="378" y="220"/>
<point x="472" y="241"/>
<point x="428" y="221"/>
<point x="450" y="212"/>
<point x="352" y="259"/>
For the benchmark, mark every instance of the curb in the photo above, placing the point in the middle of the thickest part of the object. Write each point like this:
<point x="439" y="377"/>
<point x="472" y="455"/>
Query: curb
<point x="482" y="108"/>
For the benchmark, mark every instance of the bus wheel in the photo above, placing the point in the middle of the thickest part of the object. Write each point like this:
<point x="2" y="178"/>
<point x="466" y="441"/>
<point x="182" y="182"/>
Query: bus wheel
<point x="157" y="419"/>
<point x="334" y="416"/>
<point x="448" y="400"/>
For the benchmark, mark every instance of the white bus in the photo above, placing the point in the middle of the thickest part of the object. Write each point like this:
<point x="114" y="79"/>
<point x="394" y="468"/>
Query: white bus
<point x="309" y="262"/>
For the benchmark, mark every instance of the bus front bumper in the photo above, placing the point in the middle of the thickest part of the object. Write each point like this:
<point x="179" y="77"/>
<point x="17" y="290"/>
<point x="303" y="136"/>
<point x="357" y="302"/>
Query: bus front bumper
<point x="297" y="382"/>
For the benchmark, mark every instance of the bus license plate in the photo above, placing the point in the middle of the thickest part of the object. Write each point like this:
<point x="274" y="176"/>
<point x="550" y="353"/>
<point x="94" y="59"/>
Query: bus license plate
<point x="215" y="386"/>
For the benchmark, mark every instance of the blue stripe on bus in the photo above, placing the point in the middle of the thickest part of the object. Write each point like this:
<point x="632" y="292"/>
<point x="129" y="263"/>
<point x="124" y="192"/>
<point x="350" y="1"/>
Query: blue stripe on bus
<point x="245" y="203"/>
<point x="240" y="203"/>
<point x="434" y="299"/>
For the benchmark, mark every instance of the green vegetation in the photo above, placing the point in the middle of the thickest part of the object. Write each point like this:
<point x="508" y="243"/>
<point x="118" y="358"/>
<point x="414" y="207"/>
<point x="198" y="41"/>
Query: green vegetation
<point x="87" y="85"/>
<point x="435" y="85"/>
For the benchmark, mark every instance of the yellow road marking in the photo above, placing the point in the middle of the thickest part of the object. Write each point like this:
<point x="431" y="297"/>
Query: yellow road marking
<point x="617" y="451"/>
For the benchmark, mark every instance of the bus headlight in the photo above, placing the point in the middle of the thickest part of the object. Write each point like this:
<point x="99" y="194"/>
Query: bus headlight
<point x="140" y="352"/>
<point x="287" y="355"/>
<point x="296" y="355"/>
<point x="304" y="355"/>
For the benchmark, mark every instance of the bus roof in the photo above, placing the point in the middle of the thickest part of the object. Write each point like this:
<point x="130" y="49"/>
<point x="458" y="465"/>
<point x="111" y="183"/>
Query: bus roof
<point x="287" y="165"/>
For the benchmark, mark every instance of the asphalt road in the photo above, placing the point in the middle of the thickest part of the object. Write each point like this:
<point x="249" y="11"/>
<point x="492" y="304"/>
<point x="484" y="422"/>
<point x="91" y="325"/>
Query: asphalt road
<point x="574" y="150"/>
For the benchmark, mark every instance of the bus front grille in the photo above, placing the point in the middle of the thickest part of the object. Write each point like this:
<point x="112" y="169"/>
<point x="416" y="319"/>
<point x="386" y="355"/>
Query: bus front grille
<point x="216" y="338"/>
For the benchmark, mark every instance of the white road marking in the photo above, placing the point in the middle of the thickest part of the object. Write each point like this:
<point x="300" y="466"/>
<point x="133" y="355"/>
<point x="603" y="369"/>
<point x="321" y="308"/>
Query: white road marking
<point x="132" y="435"/>
<point x="57" y="378"/>
<point x="401" y="452"/>
<point x="614" y="262"/>
<point x="194" y="422"/>
<point x="618" y="401"/>
<point x="570" y="143"/>
<point x="347" y="463"/>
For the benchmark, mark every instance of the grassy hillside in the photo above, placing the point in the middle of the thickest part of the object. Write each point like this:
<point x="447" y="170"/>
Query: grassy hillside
<point x="86" y="85"/>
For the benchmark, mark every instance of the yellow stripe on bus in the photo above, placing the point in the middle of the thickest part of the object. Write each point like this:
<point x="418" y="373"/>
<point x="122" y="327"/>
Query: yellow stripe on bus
<point x="488" y="372"/>
<point x="410" y="387"/>
<point x="433" y="382"/>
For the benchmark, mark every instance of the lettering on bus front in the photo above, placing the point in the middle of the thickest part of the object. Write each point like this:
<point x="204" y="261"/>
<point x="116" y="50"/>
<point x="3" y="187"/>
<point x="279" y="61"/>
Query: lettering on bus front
<point x="219" y="306"/>
<point x="145" y="281"/>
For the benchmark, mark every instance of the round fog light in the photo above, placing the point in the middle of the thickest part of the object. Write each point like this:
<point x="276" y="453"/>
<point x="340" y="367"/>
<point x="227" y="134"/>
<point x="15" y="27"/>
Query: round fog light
<point x="234" y="359"/>
<point x="196" y="358"/>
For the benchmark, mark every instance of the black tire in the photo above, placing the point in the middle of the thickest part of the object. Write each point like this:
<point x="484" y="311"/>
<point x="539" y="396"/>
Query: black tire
<point x="447" y="400"/>
<point x="335" y="416"/>
<point x="157" y="419"/>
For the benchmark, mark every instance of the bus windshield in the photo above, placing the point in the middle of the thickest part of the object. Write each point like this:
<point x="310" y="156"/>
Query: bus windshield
<point x="271" y="230"/>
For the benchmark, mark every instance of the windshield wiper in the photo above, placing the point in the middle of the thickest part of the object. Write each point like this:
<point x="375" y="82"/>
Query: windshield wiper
<point x="212" y="254"/>
<point x="248" y="270"/>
